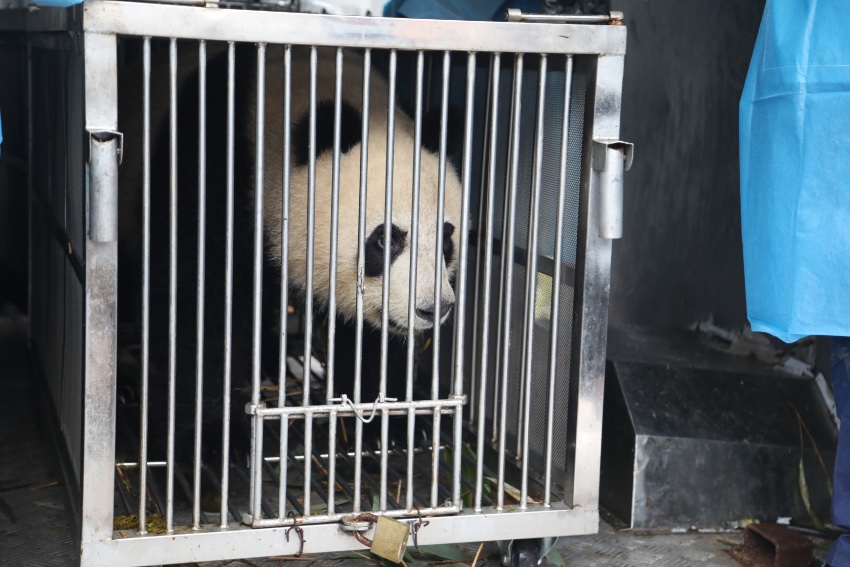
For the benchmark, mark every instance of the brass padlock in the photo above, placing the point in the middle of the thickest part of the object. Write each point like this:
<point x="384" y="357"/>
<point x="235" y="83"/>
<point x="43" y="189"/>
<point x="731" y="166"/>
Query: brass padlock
<point x="390" y="541"/>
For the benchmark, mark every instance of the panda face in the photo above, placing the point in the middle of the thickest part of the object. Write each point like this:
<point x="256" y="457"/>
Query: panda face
<point x="401" y="235"/>
<point x="429" y="262"/>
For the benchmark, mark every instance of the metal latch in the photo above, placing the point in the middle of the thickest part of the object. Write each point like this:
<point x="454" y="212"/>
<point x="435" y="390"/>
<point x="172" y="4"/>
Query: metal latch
<point x="611" y="158"/>
<point x="390" y="541"/>
<point x="106" y="150"/>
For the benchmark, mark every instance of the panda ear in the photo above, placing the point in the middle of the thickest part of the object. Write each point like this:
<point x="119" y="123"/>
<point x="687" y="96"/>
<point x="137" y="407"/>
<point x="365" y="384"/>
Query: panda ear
<point x="351" y="125"/>
<point x="454" y="133"/>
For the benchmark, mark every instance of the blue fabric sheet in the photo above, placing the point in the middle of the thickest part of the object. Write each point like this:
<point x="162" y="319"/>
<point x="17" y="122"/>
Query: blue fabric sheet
<point x="795" y="171"/>
<point x="56" y="3"/>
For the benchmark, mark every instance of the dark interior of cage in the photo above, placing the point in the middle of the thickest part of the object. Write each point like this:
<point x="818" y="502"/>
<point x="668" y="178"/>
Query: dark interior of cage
<point x="501" y="348"/>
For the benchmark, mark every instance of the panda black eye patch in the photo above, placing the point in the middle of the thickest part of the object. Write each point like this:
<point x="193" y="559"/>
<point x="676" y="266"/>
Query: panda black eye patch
<point x="374" y="260"/>
<point x="351" y="124"/>
<point x="448" y="244"/>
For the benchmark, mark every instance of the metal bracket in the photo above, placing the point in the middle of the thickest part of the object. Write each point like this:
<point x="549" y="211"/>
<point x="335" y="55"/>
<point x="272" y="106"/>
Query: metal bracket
<point x="251" y="409"/>
<point x="106" y="136"/>
<point x="611" y="158"/>
<point x="106" y="148"/>
<point x="612" y="18"/>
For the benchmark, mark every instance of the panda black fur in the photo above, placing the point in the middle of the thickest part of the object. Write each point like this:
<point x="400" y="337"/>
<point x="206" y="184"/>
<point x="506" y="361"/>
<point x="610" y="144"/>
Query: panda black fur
<point x="243" y="247"/>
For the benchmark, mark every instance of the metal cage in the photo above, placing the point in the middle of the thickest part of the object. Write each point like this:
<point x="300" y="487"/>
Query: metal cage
<point x="509" y="410"/>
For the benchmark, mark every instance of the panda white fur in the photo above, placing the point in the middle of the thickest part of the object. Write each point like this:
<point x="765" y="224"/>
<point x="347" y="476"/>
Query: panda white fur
<point x="187" y="226"/>
<point x="349" y="194"/>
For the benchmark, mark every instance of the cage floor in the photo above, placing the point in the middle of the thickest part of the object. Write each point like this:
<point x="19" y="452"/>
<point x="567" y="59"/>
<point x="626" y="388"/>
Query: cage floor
<point x="34" y="529"/>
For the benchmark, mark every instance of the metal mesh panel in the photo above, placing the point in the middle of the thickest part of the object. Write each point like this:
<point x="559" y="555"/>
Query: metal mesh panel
<point x="546" y="245"/>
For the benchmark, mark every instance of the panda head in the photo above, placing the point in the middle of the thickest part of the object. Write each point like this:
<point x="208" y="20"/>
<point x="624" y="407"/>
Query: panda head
<point x="429" y="262"/>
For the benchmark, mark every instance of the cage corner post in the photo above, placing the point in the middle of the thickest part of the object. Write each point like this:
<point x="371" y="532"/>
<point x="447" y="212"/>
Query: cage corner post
<point x="100" y="341"/>
<point x="593" y="284"/>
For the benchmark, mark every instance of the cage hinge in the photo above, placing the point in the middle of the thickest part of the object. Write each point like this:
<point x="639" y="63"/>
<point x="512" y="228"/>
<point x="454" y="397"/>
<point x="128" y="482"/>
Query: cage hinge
<point x="106" y="148"/>
<point x="460" y="398"/>
<point x="611" y="158"/>
<point x="252" y="409"/>
<point x="106" y="136"/>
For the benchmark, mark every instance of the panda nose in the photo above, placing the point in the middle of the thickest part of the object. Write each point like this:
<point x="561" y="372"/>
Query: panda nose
<point x="427" y="312"/>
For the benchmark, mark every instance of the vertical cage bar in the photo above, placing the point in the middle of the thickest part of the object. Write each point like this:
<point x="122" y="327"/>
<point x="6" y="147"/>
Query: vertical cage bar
<point x="172" y="283"/>
<point x="308" y="308"/>
<point x="474" y="374"/>
<point x="361" y="269"/>
<point x="311" y="227"/>
<point x="508" y="273"/>
<point x="556" y="283"/>
<point x="228" y="286"/>
<point x="495" y="69"/>
<point x="439" y="260"/>
<point x="284" y="276"/>
<point x="385" y="312"/>
<point x="414" y="250"/>
<point x="332" y="277"/>
<point x="146" y="281"/>
<point x="460" y="322"/>
<point x="531" y="277"/>
<point x="334" y="224"/>
<point x="202" y="215"/>
<point x="435" y="456"/>
<point x="256" y="359"/>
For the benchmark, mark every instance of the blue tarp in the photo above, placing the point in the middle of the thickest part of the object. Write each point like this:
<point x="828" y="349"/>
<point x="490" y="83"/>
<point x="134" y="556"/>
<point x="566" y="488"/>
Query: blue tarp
<point x="795" y="171"/>
<point x="469" y="10"/>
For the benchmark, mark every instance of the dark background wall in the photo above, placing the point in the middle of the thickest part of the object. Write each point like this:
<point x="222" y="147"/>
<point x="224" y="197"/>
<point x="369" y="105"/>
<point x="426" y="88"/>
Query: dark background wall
<point x="13" y="164"/>
<point x="680" y="258"/>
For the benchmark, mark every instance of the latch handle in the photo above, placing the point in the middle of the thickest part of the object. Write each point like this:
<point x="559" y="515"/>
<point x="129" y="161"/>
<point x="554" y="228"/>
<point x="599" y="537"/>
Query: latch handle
<point x="611" y="159"/>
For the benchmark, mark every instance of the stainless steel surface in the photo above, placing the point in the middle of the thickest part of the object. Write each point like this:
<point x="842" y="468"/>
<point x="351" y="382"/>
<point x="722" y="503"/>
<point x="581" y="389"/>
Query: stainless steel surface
<point x="556" y="282"/>
<point x="361" y="244"/>
<point x="516" y="15"/>
<point x="146" y="262"/>
<point x="284" y="274"/>
<point x="256" y="359"/>
<point x="493" y="133"/>
<point x="531" y="285"/>
<point x="228" y="285"/>
<point x="172" y="281"/>
<point x="385" y="290"/>
<point x="334" y="226"/>
<point x="329" y="381"/>
<point x="240" y="541"/>
<point x="98" y="409"/>
<point x="611" y="159"/>
<point x="202" y="199"/>
<point x="592" y="290"/>
<point x="507" y="275"/>
<point x="674" y="421"/>
<point x="104" y="148"/>
<point x="131" y="18"/>
<point x="460" y="315"/>
<point x="414" y="250"/>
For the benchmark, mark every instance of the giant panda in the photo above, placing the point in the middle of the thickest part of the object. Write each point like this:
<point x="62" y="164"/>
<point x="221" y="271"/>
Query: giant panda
<point x="243" y="247"/>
